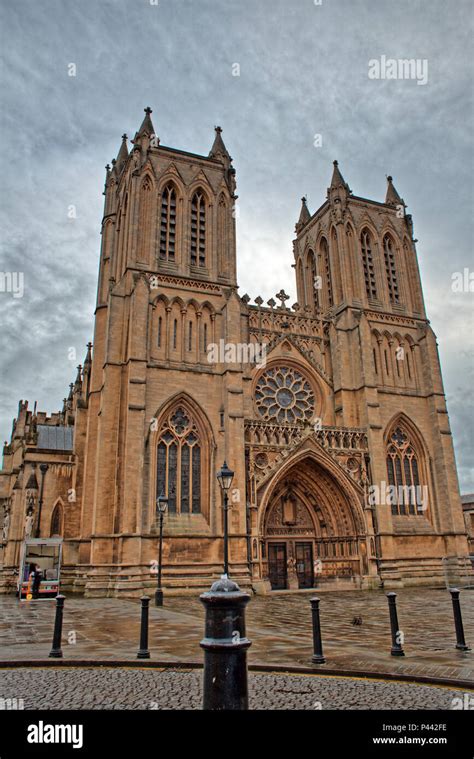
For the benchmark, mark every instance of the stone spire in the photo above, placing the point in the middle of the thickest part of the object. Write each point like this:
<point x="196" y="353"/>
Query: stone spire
<point x="147" y="127"/>
<point x="70" y="396"/>
<point x="304" y="215"/>
<point x="122" y="155"/>
<point x="146" y="135"/>
<point x="78" y="382"/>
<point x="338" y="194"/>
<point x="392" y="198"/>
<point x="338" y="180"/>
<point x="88" y="359"/>
<point x="219" y="150"/>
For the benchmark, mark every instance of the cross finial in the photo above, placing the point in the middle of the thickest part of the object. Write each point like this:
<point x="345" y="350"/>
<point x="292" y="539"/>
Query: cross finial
<point x="282" y="296"/>
<point x="124" y="137"/>
<point x="148" y="110"/>
<point x="218" y="129"/>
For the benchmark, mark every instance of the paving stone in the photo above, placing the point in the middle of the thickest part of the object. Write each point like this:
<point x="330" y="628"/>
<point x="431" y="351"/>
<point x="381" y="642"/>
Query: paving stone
<point x="278" y="625"/>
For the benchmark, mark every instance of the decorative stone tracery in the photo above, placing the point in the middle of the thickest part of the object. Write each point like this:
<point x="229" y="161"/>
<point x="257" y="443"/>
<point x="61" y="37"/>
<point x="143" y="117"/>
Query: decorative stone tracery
<point x="284" y="394"/>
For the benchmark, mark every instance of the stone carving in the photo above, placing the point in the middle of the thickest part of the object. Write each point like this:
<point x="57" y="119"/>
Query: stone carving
<point x="29" y="521"/>
<point x="6" y="526"/>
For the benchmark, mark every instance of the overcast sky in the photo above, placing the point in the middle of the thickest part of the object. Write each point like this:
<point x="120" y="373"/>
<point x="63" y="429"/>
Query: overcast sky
<point x="303" y="71"/>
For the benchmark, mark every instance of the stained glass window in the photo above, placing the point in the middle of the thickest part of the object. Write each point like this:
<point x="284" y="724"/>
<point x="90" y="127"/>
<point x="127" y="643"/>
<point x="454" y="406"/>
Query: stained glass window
<point x="403" y="474"/>
<point x="284" y="394"/>
<point x="179" y="463"/>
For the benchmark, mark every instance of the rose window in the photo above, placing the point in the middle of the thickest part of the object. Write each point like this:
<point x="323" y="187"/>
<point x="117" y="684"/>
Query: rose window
<point x="285" y="395"/>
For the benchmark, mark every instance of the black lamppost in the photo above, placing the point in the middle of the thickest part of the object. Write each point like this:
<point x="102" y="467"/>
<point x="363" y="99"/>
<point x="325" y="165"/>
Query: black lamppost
<point x="225" y="477"/>
<point x="43" y="469"/>
<point x="161" y="506"/>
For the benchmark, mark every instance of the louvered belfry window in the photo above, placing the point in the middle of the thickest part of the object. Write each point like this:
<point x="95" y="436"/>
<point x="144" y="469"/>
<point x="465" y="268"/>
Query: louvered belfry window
<point x="390" y="269"/>
<point x="327" y="271"/>
<point x="168" y="224"/>
<point x="368" y="264"/>
<point x="178" y="473"/>
<point x="198" y="229"/>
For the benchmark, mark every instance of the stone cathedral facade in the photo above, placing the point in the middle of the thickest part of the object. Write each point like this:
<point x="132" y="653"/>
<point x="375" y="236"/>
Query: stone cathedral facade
<point x="344" y="471"/>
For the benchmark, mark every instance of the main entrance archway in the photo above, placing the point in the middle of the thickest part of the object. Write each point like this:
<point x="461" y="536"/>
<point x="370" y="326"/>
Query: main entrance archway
<point x="312" y="532"/>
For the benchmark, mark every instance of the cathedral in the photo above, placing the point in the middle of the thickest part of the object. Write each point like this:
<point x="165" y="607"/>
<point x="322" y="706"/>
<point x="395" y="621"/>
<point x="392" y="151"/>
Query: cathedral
<point x="330" y="411"/>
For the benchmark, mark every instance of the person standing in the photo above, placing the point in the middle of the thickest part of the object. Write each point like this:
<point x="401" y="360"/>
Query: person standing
<point x="36" y="581"/>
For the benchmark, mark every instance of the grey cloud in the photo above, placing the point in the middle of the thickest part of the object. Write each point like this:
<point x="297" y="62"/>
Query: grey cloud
<point x="303" y="71"/>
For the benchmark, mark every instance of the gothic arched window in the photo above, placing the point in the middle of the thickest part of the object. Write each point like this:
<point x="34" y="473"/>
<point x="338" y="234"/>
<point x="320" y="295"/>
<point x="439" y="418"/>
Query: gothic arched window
<point x="403" y="468"/>
<point x="390" y="269"/>
<point x="56" y="521"/>
<point x="145" y="217"/>
<point x="222" y="237"/>
<point x="327" y="271"/>
<point x="179" y="463"/>
<point x="313" y="280"/>
<point x="168" y="224"/>
<point x="160" y="329"/>
<point x="198" y="229"/>
<point x="368" y="264"/>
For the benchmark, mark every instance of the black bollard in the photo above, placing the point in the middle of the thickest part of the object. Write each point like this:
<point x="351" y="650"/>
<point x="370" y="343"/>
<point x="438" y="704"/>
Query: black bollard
<point x="318" y="656"/>
<point x="143" y="652"/>
<point x="225" y="647"/>
<point x="56" y="651"/>
<point x="397" y="649"/>
<point x="460" y="641"/>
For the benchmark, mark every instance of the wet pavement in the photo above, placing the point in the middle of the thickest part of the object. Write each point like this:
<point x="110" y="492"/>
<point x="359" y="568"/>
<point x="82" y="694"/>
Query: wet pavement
<point x="106" y="688"/>
<point x="279" y="627"/>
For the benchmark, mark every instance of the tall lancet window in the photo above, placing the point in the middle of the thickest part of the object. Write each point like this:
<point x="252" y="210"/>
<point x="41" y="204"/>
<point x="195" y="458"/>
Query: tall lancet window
<point x="327" y="271"/>
<point x="179" y="462"/>
<point x="390" y="269"/>
<point x="198" y="229"/>
<point x="145" y="216"/>
<point x="403" y="469"/>
<point x="222" y="237"/>
<point x="368" y="264"/>
<point x="168" y="224"/>
<point x="313" y="288"/>
<point x="56" y="521"/>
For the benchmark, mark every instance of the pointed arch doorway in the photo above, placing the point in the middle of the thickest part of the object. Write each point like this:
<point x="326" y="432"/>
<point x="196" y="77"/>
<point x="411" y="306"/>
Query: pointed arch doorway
<point x="312" y="533"/>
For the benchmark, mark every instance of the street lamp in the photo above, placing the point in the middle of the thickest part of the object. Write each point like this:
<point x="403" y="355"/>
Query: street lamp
<point x="161" y="506"/>
<point x="224" y="478"/>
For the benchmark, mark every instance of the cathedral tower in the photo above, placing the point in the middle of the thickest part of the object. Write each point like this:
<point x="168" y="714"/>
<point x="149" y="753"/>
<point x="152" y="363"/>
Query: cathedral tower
<point x="162" y="418"/>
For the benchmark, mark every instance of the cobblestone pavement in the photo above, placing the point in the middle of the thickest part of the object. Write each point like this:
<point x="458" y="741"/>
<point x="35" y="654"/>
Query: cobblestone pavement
<point x="107" y="688"/>
<point x="279" y="627"/>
